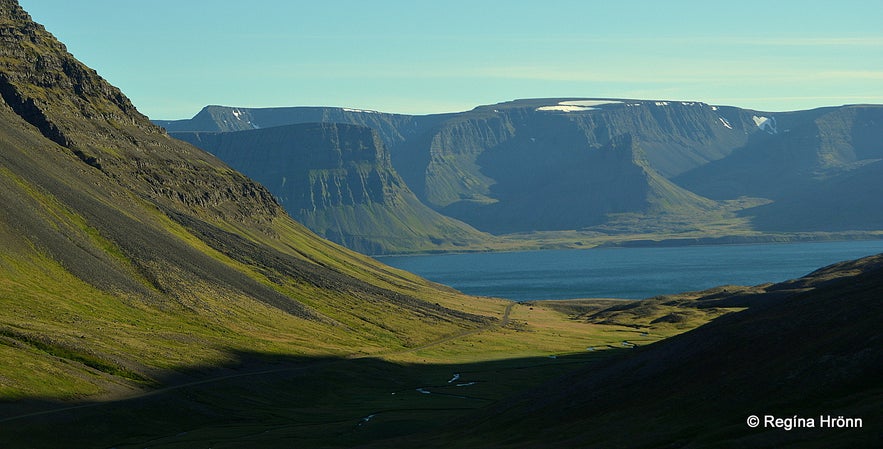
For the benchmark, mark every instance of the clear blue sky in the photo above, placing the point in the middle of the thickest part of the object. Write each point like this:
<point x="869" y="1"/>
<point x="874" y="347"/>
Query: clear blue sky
<point x="172" y="57"/>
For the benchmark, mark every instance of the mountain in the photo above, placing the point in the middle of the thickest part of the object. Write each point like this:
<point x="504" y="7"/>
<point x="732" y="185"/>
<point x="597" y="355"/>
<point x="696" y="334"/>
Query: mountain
<point x="577" y="189"/>
<point x="128" y="255"/>
<point x="806" y="348"/>
<point x="827" y="160"/>
<point x="546" y="164"/>
<point x="337" y="179"/>
<point x="392" y="128"/>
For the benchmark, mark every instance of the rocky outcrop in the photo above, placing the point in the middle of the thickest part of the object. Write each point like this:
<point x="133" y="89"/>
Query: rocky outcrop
<point x="71" y="105"/>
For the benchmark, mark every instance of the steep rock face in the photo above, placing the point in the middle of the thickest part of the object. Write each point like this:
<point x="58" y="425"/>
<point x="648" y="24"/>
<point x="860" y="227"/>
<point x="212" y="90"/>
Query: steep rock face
<point x="821" y="168"/>
<point x="338" y="180"/>
<point x="74" y="107"/>
<point x="526" y="166"/>
<point x="804" y="148"/>
<point x="541" y="133"/>
<point x="488" y="166"/>
<point x="513" y="153"/>
<point x="575" y="190"/>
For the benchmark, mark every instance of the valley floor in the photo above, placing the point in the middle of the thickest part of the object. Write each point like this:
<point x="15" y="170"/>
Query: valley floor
<point x="341" y="402"/>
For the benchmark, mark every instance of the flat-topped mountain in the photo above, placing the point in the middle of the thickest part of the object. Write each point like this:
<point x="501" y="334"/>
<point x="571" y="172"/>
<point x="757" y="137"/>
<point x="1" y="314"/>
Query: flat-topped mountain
<point x="393" y="128"/>
<point x="337" y="179"/>
<point x="620" y="166"/>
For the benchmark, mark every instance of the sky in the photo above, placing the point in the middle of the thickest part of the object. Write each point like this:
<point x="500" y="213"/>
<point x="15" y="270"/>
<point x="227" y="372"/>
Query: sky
<point x="173" y="57"/>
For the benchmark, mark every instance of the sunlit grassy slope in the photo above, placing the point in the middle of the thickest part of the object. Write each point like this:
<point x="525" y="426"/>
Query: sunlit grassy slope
<point x="127" y="255"/>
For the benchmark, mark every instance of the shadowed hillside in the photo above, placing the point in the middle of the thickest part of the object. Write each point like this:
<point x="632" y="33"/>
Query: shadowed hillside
<point x="807" y="347"/>
<point x="151" y="296"/>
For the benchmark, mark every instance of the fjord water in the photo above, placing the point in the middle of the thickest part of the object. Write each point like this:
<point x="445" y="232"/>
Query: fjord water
<point x="629" y="273"/>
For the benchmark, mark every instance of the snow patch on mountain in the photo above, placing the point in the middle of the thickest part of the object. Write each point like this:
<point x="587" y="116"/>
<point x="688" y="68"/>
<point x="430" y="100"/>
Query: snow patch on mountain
<point x="565" y="108"/>
<point x="588" y="103"/>
<point x="767" y="124"/>
<point x="367" y="111"/>
<point x="577" y="105"/>
<point x="725" y="122"/>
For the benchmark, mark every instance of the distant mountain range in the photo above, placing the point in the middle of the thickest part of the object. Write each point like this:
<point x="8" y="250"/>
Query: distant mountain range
<point x="591" y="165"/>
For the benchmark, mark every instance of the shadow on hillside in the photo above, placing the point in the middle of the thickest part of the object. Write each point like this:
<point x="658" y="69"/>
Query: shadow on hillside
<point x="805" y="354"/>
<point x="270" y="400"/>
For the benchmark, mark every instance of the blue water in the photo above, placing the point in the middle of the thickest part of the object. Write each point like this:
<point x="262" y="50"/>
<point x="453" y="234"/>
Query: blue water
<point x="632" y="273"/>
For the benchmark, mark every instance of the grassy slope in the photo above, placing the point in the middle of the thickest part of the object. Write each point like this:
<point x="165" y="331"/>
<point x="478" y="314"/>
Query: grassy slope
<point x="482" y="384"/>
<point x="322" y="402"/>
<point x="128" y="255"/>
<point x="127" y="269"/>
<point x="122" y="320"/>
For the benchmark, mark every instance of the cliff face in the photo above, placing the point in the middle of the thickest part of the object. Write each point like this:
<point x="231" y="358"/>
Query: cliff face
<point x="546" y="164"/>
<point x="75" y="108"/>
<point x="537" y="165"/>
<point x="540" y="133"/>
<point x="803" y="148"/>
<point x="338" y="180"/>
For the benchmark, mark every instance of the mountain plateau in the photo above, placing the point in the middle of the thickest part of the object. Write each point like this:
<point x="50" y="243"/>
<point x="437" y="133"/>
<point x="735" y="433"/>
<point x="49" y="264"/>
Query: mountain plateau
<point x="614" y="169"/>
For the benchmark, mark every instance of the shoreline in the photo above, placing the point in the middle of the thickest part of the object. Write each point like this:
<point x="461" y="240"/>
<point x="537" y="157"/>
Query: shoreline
<point x="648" y="241"/>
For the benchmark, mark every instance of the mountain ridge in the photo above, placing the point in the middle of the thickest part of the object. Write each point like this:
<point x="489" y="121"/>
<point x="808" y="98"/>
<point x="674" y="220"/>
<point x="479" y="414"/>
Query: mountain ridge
<point x="476" y="166"/>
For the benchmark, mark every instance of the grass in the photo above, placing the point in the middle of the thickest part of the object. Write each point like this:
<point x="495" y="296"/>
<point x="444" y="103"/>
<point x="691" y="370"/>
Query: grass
<point x="316" y="400"/>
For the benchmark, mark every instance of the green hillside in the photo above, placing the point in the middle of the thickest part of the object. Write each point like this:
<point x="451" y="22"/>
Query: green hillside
<point x="128" y="254"/>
